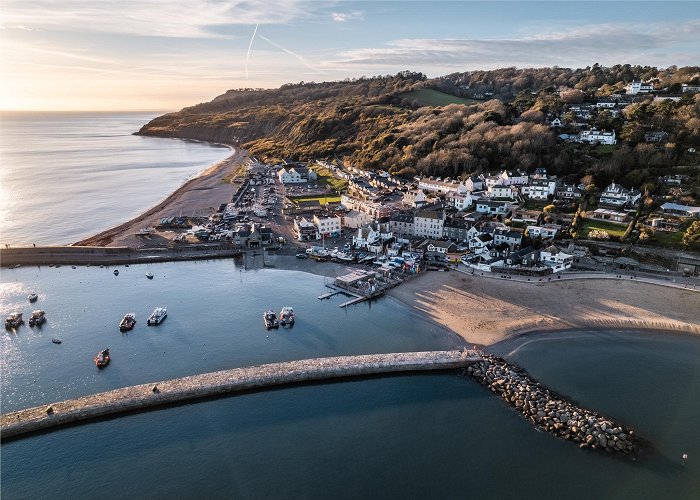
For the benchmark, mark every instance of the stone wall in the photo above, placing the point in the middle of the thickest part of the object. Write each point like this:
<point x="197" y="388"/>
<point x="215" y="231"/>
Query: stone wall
<point x="141" y="397"/>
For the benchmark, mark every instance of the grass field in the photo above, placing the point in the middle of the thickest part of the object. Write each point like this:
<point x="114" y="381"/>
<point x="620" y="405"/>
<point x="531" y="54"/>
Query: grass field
<point x="432" y="97"/>
<point x="323" y="200"/>
<point x="325" y="177"/>
<point x="667" y="239"/>
<point x="612" y="228"/>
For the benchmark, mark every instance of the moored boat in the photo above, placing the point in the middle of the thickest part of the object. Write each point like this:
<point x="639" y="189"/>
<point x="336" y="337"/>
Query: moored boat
<point x="37" y="318"/>
<point x="102" y="358"/>
<point x="56" y="341"/>
<point x="13" y="320"/>
<point x="287" y="316"/>
<point x="127" y="322"/>
<point x="32" y="297"/>
<point x="116" y="272"/>
<point x="149" y="276"/>
<point x="270" y="319"/>
<point x="158" y="315"/>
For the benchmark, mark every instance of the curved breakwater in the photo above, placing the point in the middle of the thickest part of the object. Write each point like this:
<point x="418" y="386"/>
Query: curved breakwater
<point x="146" y="396"/>
<point x="548" y="411"/>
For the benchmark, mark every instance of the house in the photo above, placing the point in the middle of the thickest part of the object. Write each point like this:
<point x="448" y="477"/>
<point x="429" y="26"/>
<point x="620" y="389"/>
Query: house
<point x="354" y="219"/>
<point x="480" y="242"/>
<point x="527" y="257"/>
<point x="375" y="209"/>
<point x="685" y="88"/>
<point x="680" y="210"/>
<point x="402" y="225"/>
<point x="456" y="229"/>
<point x="656" y="137"/>
<point x="555" y="123"/>
<point x="429" y="222"/>
<point x="639" y="87"/>
<point x="598" y="137"/>
<point x="526" y="216"/>
<point x="540" y="173"/>
<point x="441" y="186"/>
<point x="501" y="191"/>
<point x="306" y="230"/>
<point x="618" y="196"/>
<point x="291" y="176"/>
<point x="437" y="249"/>
<point x="492" y="207"/>
<point x="372" y="237"/>
<point x="328" y="225"/>
<point x="511" y="237"/>
<point x="568" y="192"/>
<point x="461" y="201"/>
<point x="265" y="234"/>
<point x="554" y="258"/>
<point x="474" y="183"/>
<point x="545" y="231"/>
<point x="662" y="224"/>
<point x="415" y="198"/>
<point x="609" y="215"/>
<point x="539" y="189"/>
<point x="509" y="178"/>
<point x="606" y="103"/>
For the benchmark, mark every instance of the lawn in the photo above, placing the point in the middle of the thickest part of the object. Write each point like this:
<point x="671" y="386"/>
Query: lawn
<point x="326" y="177"/>
<point x="323" y="200"/>
<point x="432" y="97"/>
<point x="612" y="228"/>
<point x="667" y="239"/>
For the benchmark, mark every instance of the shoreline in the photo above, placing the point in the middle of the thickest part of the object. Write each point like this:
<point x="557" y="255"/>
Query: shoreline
<point x="208" y="180"/>
<point x="485" y="312"/>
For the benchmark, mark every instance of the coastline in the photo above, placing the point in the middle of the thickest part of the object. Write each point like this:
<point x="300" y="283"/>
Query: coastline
<point x="196" y="193"/>
<point x="485" y="311"/>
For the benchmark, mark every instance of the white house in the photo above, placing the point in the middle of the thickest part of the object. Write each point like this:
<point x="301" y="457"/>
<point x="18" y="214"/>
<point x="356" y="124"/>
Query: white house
<point x="598" y="137"/>
<point x="618" y="196"/>
<point x="513" y="178"/>
<point x="354" y="219"/>
<point x="414" y="198"/>
<point x="460" y="201"/>
<point x="306" y="230"/>
<point x="372" y="237"/>
<point x="690" y="88"/>
<point x="428" y="222"/>
<point x="555" y="258"/>
<point x="545" y="232"/>
<point x="328" y="226"/>
<point x="474" y="183"/>
<point x="511" y="237"/>
<point x="501" y="191"/>
<point x="539" y="189"/>
<point x="291" y="176"/>
<point x="639" y="87"/>
<point x="492" y="207"/>
<point x="555" y="123"/>
<point x="441" y="186"/>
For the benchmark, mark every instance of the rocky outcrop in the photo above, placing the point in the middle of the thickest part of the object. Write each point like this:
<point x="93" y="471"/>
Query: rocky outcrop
<point x="549" y="411"/>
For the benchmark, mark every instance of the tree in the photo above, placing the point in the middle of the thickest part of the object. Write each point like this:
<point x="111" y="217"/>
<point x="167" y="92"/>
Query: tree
<point x="549" y="209"/>
<point x="691" y="238"/>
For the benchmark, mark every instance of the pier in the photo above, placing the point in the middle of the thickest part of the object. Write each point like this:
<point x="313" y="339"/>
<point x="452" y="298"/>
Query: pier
<point x="155" y="394"/>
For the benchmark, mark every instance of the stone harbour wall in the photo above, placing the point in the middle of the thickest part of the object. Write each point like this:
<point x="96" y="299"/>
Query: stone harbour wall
<point x="145" y="396"/>
<point x="548" y="411"/>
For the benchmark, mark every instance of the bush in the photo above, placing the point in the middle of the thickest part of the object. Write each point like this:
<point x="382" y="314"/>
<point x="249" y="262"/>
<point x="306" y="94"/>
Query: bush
<point x="598" y="234"/>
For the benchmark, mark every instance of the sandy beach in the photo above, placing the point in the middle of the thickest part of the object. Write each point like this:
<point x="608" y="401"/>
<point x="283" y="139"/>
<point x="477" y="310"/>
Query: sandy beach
<point x="202" y="193"/>
<point x="484" y="311"/>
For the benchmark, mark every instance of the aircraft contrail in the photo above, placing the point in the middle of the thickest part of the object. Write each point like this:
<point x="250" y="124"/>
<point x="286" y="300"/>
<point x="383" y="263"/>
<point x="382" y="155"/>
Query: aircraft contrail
<point x="250" y="45"/>
<point x="300" y="58"/>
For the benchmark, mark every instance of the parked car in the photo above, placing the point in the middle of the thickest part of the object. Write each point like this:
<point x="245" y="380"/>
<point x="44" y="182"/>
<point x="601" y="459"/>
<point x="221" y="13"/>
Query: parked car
<point x="301" y="256"/>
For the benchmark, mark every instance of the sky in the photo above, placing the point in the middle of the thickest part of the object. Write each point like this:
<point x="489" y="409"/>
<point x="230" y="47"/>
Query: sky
<point x="98" y="55"/>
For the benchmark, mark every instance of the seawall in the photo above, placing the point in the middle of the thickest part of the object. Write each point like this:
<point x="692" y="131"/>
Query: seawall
<point x="154" y="394"/>
<point x="77" y="255"/>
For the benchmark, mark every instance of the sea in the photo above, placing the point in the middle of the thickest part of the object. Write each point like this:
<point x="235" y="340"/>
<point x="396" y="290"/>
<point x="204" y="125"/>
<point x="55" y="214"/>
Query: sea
<point x="433" y="435"/>
<point x="420" y="436"/>
<point x="66" y="176"/>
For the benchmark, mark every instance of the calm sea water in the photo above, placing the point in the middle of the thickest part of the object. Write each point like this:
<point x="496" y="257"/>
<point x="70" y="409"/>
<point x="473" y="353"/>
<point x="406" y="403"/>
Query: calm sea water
<point x="65" y="176"/>
<point x="420" y="436"/>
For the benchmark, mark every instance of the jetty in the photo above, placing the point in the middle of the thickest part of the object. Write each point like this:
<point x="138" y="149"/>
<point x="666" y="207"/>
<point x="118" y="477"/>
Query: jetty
<point x="216" y="384"/>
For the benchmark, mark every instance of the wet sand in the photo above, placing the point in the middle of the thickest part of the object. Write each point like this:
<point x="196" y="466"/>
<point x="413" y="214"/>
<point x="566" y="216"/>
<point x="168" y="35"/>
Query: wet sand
<point x="202" y="194"/>
<point x="484" y="311"/>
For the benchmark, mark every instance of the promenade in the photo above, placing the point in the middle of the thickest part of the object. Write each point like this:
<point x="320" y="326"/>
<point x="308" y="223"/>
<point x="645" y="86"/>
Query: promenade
<point x="147" y="396"/>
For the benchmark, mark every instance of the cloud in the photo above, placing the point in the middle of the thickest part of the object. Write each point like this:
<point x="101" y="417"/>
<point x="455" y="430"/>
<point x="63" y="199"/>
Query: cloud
<point x="604" y="43"/>
<point x="174" y="18"/>
<point x="342" y="17"/>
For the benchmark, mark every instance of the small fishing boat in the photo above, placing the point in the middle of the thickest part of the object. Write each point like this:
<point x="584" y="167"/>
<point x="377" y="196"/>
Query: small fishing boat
<point x="116" y="272"/>
<point x="149" y="276"/>
<point x="102" y="358"/>
<point x="13" y="320"/>
<point x="37" y="318"/>
<point x="32" y="297"/>
<point x="270" y="319"/>
<point x="56" y="341"/>
<point x="158" y="315"/>
<point x="127" y="322"/>
<point x="287" y="316"/>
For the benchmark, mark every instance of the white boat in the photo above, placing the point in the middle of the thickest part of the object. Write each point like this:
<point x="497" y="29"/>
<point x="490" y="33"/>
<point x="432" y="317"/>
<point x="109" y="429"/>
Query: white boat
<point x="158" y="315"/>
<point x="127" y="322"/>
<point x="14" y="320"/>
<point x="287" y="316"/>
<point x="32" y="297"/>
<point x="149" y="276"/>
<point x="270" y="319"/>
